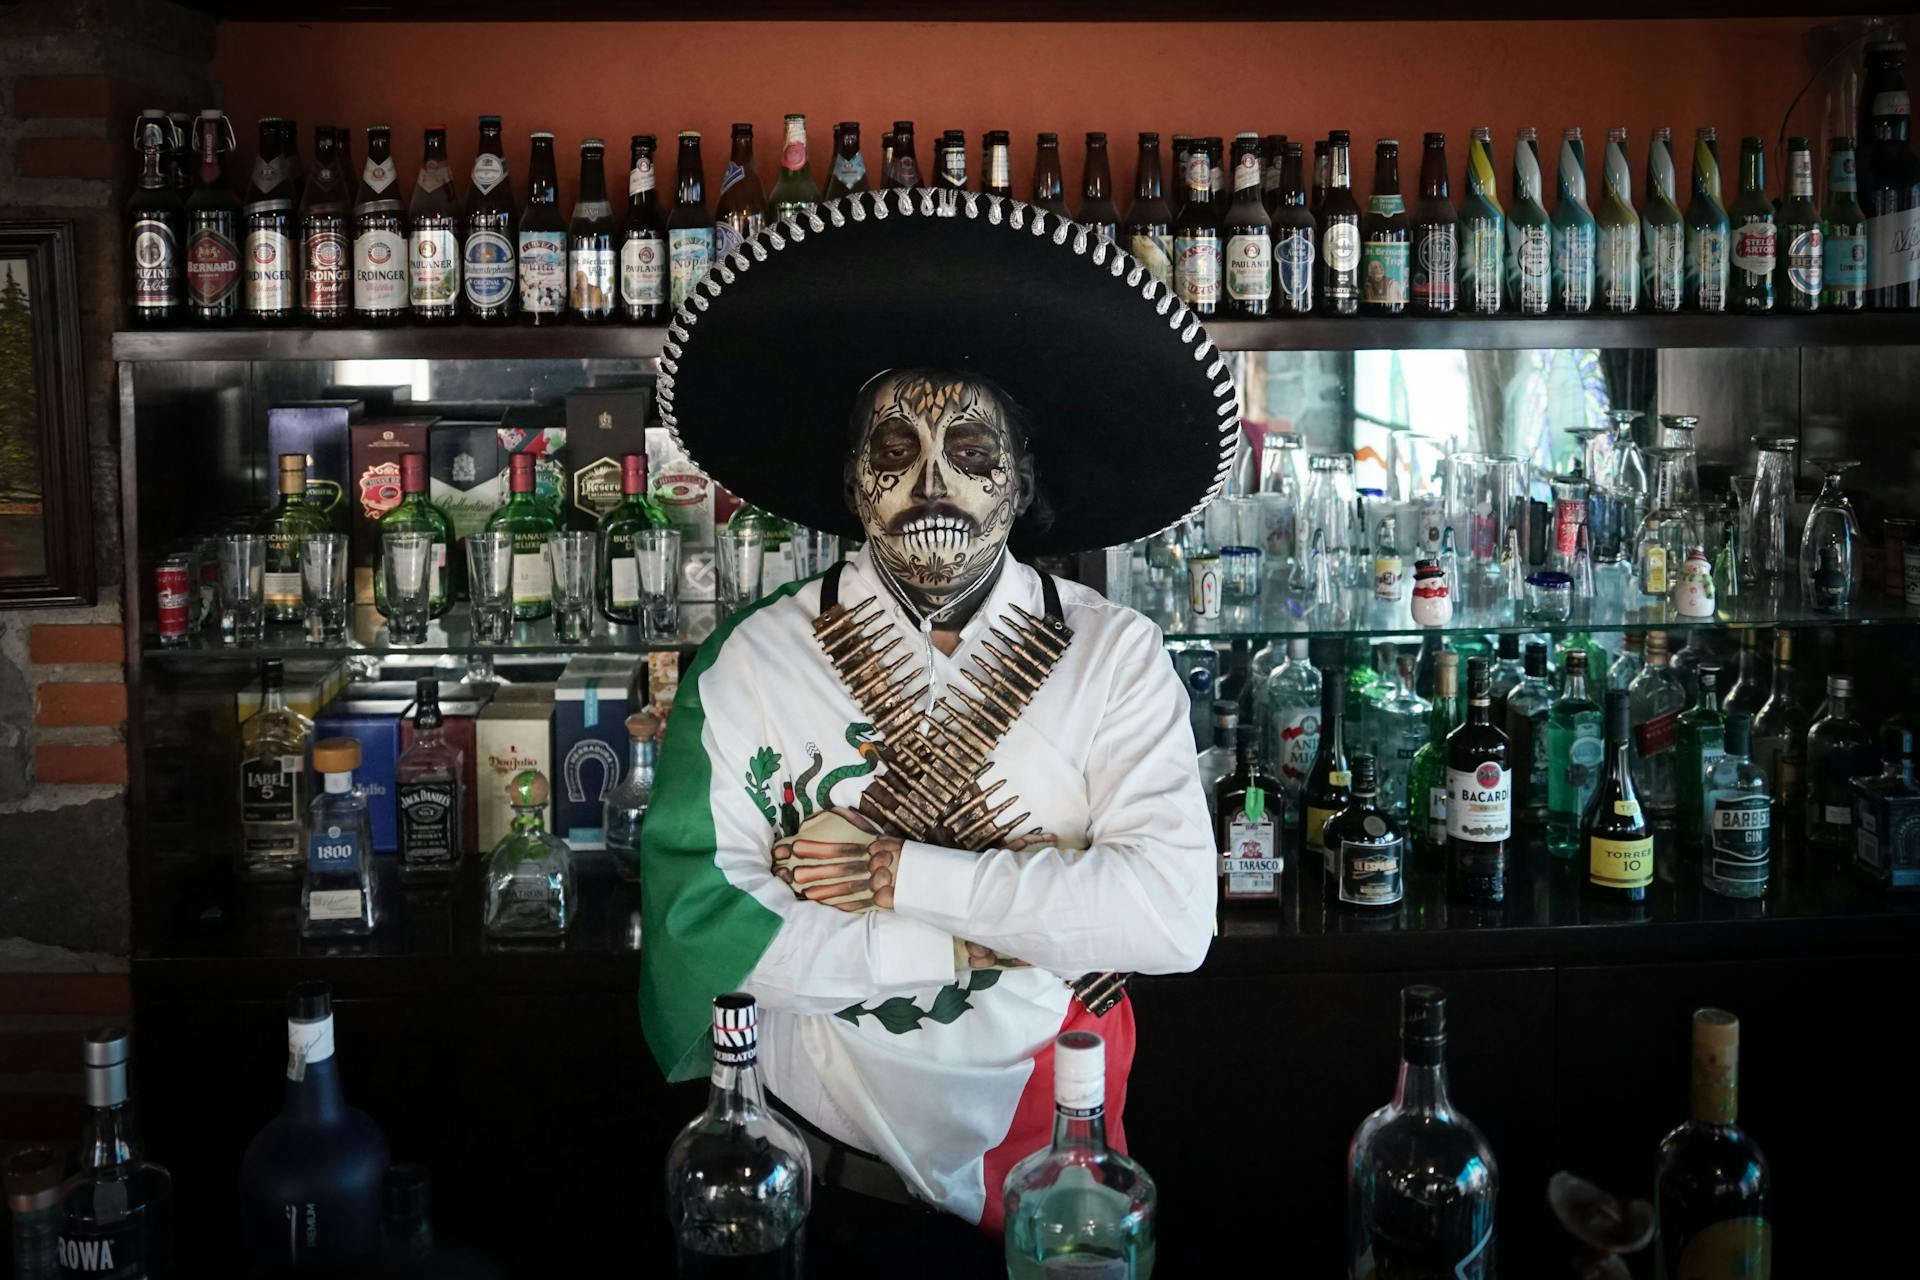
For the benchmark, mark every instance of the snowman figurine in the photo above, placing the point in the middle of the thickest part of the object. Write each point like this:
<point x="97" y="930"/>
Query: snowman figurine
<point x="1432" y="599"/>
<point x="1693" y="589"/>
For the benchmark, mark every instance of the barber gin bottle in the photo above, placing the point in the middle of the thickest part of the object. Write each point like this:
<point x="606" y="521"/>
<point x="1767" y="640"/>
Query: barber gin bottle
<point x="116" y="1210"/>
<point x="739" y="1180"/>
<point x="338" y="895"/>
<point x="530" y="872"/>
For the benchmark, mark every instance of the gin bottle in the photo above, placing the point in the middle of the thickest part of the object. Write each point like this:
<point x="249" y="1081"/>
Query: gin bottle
<point x="1738" y="860"/>
<point x="1526" y="728"/>
<point x="1077" y="1207"/>
<point x="626" y="804"/>
<point x="1886" y="814"/>
<point x="530" y="872"/>
<point x="338" y="896"/>
<point x="1421" y="1180"/>
<point x="1399" y="723"/>
<point x="428" y="777"/>
<point x="116" y="1211"/>
<point x="273" y="781"/>
<point x="739" y="1180"/>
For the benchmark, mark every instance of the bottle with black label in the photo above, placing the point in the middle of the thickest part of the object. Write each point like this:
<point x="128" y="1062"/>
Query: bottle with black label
<point x="1616" y="838"/>
<point x="156" y="222"/>
<point x="1329" y="785"/>
<point x="1247" y="229"/>
<point x="590" y="241"/>
<point x="1368" y="846"/>
<point x="643" y="241"/>
<point x="379" y="236"/>
<point x="273" y="781"/>
<point x="1247" y="809"/>
<point x="1738" y="860"/>
<point x="326" y="276"/>
<point x="490" y="247"/>
<point x="269" y="275"/>
<point x="427" y="778"/>
<point x="1479" y="798"/>
<point x="213" y="227"/>
<point x="116" y="1211"/>
<point x="433" y="236"/>
<point x="1435" y="261"/>
<point x="1339" y="218"/>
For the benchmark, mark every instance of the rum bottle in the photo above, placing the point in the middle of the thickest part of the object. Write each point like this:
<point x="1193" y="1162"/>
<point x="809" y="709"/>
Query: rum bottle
<point x="1479" y="799"/>
<point x="1368" y="846"/>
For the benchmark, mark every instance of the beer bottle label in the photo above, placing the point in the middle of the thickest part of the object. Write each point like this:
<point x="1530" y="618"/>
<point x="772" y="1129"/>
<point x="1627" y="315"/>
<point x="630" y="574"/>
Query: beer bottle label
<point x="1843" y="173"/>
<point x="1806" y="260"/>
<point x="1293" y="260"/>
<point x="1480" y="803"/>
<point x="1845" y="263"/>
<point x="1340" y="257"/>
<point x="432" y="177"/>
<point x="1754" y="246"/>
<point x="433" y="267"/>
<point x="324" y="279"/>
<point x="689" y="255"/>
<point x="1574" y="255"/>
<point x="590" y="279"/>
<point x="726" y="240"/>
<point x="1249" y="261"/>
<point x="1251" y="861"/>
<point x="269" y="271"/>
<point x="849" y="171"/>
<point x="1370" y="872"/>
<point x="379" y="270"/>
<point x="1150" y="247"/>
<point x="1707" y="267"/>
<point x="490" y="268"/>
<point x="1739" y="837"/>
<point x="1480" y="267"/>
<point x="1893" y="243"/>
<point x="1620" y="864"/>
<point x="488" y="170"/>
<point x="1532" y="272"/>
<point x="1196" y="269"/>
<point x="643" y="271"/>
<point x="156" y="262"/>
<point x="543" y="272"/>
<point x="733" y="173"/>
<point x="213" y="264"/>
<point x="1664" y="265"/>
<point x="1891" y="102"/>
<point x="1435" y="263"/>
<point x="640" y="179"/>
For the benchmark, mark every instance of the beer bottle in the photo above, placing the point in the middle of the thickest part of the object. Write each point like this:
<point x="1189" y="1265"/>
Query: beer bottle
<point x="1663" y="231"/>
<point x="1574" y="248"/>
<point x="1149" y="219"/>
<point x="1182" y="148"/>
<point x="1294" y="234"/>
<point x="213" y="227"/>
<point x="689" y="229"/>
<point x="379" y="236"/>
<point x="1483" y="232"/>
<point x="1217" y="171"/>
<point x="1435" y="258"/>
<point x="1322" y="166"/>
<point x="903" y="170"/>
<point x="953" y="160"/>
<point x="1385" y="237"/>
<point x="180" y="153"/>
<point x="1196" y="241"/>
<point x="1707" y="228"/>
<point x="1800" y="248"/>
<point x="643" y="242"/>
<point x="886" y="160"/>
<point x="1097" y="209"/>
<point x="296" y="180"/>
<point x="1617" y="230"/>
<point x="543" y="239"/>
<point x="156" y="221"/>
<point x="1048" y="184"/>
<point x="1529" y="232"/>
<point x="1843" y="231"/>
<point x="433" y="235"/>
<point x="590" y="280"/>
<point x="795" y="193"/>
<point x="1755" y="232"/>
<point x="996" y="165"/>
<point x="326" y="281"/>
<point x="1889" y="182"/>
<point x="268" y="276"/>
<point x="1339" y="221"/>
<point x="1247" y="257"/>
<point x="489" y="254"/>
<point x="849" y="173"/>
<point x="1273" y="154"/>
<point x="741" y="210"/>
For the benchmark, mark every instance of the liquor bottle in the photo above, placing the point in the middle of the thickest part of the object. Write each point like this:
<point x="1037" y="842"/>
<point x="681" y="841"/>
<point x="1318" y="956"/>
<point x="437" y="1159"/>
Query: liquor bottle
<point x="1483" y="233"/>
<point x="406" y="1227"/>
<point x="1663" y="231"/>
<point x="848" y="176"/>
<point x="1273" y="153"/>
<point x="1630" y="662"/>
<point x="1246" y="823"/>
<point x="1076" y="1206"/>
<point x="1507" y="673"/>
<point x="1097" y="209"/>
<point x="273" y="782"/>
<point x="643" y="243"/>
<point x="1048" y="184"/>
<point x="268" y="275"/>
<point x="1388" y="568"/>
<point x="1738" y="860"/>
<point x="591" y="236"/>
<point x="156" y="224"/>
<point x="116" y="1210"/>
<point x="1801" y="253"/>
<point x="1576" y="753"/>
<point x="490" y="253"/>
<point x="1196" y="242"/>
<point x="310" y="1182"/>
<point x="379" y="236"/>
<point x="1755" y="235"/>
<point x="903" y="167"/>
<point x="1338" y="216"/>
<point x="1398" y="721"/>
<point x="1217" y="762"/>
<point x="1479" y="799"/>
<point x="1843" y="232"/>
<point x="339" y="894"/>
<point x="1149" y="220"/>
<point x="1617" y="232"/>
<point x="542" y="245"/>
<point x="794" y="193"/>
<point x="1838" y="751"/>
<point x="1385" y="237"/>
<point x="1422" y="1183"/>
<point x="1615" y="839"/>
<point x="618" y="579"/>
<point x="1248" y="232"/>
<point x="1527" y="706"/>
<point x="1658" y="698"/>
<point x="1427" y="776"/>
<point x="1699" y="741"/>
<point x="529" y="874"/>
<point x="433" y="236"/>
<point x="1748" y="692"/>
<point x="626" y="805"/>
<point x="292" y="519"/>
<point x="776" y="537"/>
<point x="1294" y="233"/>
<point x="1529" y="231"/>
<point x="416" y="513"/>
<point x="1434" y="261"/>
<point x="690" y="231"/>
<point x="213" y="227"/>
<point x="1713" y="1190"/>
<point x="531" y="522"/>
<point x="739" y="1179"/>
<point x="1708" y="228"/>
<point x="1329" y="782"/>
<point x="1890" y="182"/>
<point x="1886" y="814"/>
<point x="1290" y="736"/>
<point x="427" y="780"/>
<point x="1780" y="735"/>
<point x="1369" y="846"/>
<point x="30" y="1179"/>
<point x="1575" y="251"/>
<point x="741" y="210"/>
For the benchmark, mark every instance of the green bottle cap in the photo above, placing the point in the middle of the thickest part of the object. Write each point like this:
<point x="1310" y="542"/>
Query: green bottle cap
<point x="527" y="789"/>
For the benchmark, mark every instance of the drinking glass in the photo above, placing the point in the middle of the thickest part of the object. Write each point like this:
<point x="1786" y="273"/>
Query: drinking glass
<point x="1830" y="535"/>
<point x="1763" y="516"/>
<point x="490" y="585"/>
<point x="814" y="551"/>
<point x="323" y="585"/>
<point x="243" y="586"/>
<point x="1627" y="474"/>
<point x="1676" y="432"/>
<point x="1604" y="508"/>
<point x="1119" y="566"/>
<point x="1273" y="519"/>
<point x="573" y="555"/>
<point x="407" y="560"/>
<point x="1482" y="494"/>
<point x="656" y="555"/>
<point x="1283" y="465"/>
<point x="741" y="556"/>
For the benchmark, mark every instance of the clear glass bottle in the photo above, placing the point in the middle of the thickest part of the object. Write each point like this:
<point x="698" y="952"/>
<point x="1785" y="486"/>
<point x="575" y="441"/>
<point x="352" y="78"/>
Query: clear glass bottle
<point x="429" y="786"/>
<point x="1886" y="815"/>
<point x="1780" y="735"/>
<point x="1838" y="751"/>
<point x="1398" y="731"/>
<point x="1369" y="847"/>
<point x="1421" y="1181"/>
<point x="1526" y="726"/>
<point x="1667" y="529"/>
<point x="1713" y="1190"/>
<point x="1656" y="699"/>
<point x="1077" y="1207"/>
<point x="1219" y="759"/>
<point x="273" y="782"/>
<point x="1663" y="231"/>
<point x="1700" y="740"/>
<point x="1574" y="230"/>
<point x="626" y="804"/>
<point x="1575" y="753"/>
<point x="1738" y="859"/>
<point x="529" y="876"/>
<point x="1427" y="777"/>
<point x="739" y="1179"/>
<point x="339" y="893"/>
<point x="1292" y="729"/>
<point x="1709" y="231"/>
<point x="1828" y="572"/>
<point x="116" y="1211"/>
<point x="1628" y="662"/>
<point x="1508" y="671"/>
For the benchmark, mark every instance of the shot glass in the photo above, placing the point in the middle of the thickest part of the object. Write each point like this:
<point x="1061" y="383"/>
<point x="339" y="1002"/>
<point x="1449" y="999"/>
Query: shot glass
<point x="574" y="556"/>
<point x="243" y="584"/>
<point x="490" y="585"/>
<point x="656" y="557"/>
<point x="741" y="554"/>
<point x="407" y="560"/>
<point x="814" y="552"/>
<point x="323" y="585"/>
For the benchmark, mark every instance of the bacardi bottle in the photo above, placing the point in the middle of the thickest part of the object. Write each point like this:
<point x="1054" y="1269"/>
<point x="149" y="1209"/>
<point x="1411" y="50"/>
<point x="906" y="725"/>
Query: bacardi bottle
<point x="1479" y="798"/>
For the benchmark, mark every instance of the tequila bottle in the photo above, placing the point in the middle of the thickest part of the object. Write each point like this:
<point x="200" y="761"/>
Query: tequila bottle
<point x="428" y="778"/>
<point x="1838" y="751"/>
<point x="1247" y="830"/>
<point x="116" y="1211"/>
<point x="618" y="579"/>
<point x="295" y="516"/>
<point x="1427" y="778"/>
<point x="417" y="514"/>
<point x="626" y="805"/>
<point x="1886" y="815"/>
<point x="273" y="782"/>
<point x="1575" y="752"/>
<point x="531" y="522"/>
<point x="529" y="875"/>
<point x="1526" y="726"/>
<point x="1700" y="741"/>
<point x="1657" y="699"/>
<point x="338" y="896"/>
<point x="1738" y="860"/>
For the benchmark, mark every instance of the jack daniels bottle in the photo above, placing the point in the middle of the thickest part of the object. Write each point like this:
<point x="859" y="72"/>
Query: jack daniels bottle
<point x="1479" y="798"/>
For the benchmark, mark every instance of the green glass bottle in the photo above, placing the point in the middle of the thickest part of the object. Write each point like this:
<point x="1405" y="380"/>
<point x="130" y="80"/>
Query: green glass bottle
<point x="1663" y="231"/>
<point x="1427" y="775"/>
<point x="293" y="517"/>
<point x="1529" y="233"/>
<point x="1699" y="740"/>
<point x="776" y="536"/>
<point x="1581" y="642"/>
<point x="1618" y="231"/>
<point x="1574" y="231"/>
<point x="1706" y="228"/>
<point x="417" y="514"/>
<point x="1575" y="754"/>
<point x="1755" y="233"/>
<point x="617" y="579"/>
<point x="1483" y="233"/>
<point x="795" y="192"/>
<point x="531" y="522"/>
<point x="1802" y="255"/>
<point x="1843" y="231"/>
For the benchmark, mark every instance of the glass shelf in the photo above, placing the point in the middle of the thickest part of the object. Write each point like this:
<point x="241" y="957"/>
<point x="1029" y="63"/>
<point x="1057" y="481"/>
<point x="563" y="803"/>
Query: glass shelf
<point x="452" y="633"/>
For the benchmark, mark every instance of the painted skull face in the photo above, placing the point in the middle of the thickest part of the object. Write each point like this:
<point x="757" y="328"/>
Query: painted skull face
<point x="935" y="481"/>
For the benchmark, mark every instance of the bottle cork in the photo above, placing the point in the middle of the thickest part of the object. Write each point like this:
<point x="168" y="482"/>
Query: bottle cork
<point x="1716" y="1063"/>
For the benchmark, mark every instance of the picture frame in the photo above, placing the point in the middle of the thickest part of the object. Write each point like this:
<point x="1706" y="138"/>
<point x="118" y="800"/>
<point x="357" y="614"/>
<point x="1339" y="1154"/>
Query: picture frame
<point x="46" y="515"/>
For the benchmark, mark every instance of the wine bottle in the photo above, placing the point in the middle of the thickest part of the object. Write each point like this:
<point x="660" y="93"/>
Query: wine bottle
<point x="1713" y="1189"/>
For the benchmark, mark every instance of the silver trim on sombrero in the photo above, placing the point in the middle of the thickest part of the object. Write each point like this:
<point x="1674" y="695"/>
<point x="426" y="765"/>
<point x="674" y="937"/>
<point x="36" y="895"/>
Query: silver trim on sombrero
<point x="950" y="204"/>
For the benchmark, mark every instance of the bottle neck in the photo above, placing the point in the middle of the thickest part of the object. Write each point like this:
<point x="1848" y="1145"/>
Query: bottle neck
<point x="1477" y="710"/>
<point x="1839" y="706"/>
<point x="543" y="185"/>
<point x="1339" y="167"/>
<point x="1422" y="1089"/>
<point x="1576" y="686"/>
<point x="107" y="1138"/>
<point x="1433" y="174"/>
<point x="1148" y="168"/>
<point x="528" y="821"/>
<point x="337" y="784"/>
<point x="313" y="1073"/>
<point x="1073" y="1131"/>
<point x="734" y="1093"/>
<point x="689" y="185"/>
<point x="1446" y="709"/>
<point x="1386" y="174"/>
<point x="642" y="757"/>
<point x="1097" y="183"/>
<point x="1753" y="172"/>
<point x="151" y="175"/>
<point x="593" y="177"/>
<point x="273" y="698"/>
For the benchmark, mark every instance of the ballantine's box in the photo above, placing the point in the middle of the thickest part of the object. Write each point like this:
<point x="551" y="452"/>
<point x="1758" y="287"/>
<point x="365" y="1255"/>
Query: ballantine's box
<point x="603" y="426"/>
<point x="514" y="732"/>
<point x="317" y="428"/>
<point x="467" y="475"/>
<point x="590" y="742"/>
<point x="376" y="490"/>
<point x="375" y="724"/>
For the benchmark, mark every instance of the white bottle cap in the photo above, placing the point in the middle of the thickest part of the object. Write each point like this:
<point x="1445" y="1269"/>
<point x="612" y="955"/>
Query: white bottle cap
<point x="1079" y="1073"/>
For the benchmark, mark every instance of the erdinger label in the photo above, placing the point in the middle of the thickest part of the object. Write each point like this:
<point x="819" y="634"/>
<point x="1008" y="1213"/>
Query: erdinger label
<point x="1480" y="804"/>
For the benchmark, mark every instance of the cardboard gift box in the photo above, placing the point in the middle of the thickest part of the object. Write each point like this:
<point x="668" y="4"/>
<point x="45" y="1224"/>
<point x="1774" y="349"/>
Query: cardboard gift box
<point x="317" y="428"/>
<point x="541" y="431"/>
<point x="686" y="494"/>
<point x="375" y="489"/>
<point x="603" y="426"/>
<point x="513" y="732"/>
<point x="591" y="746"/>
<point x="466" y="473"/>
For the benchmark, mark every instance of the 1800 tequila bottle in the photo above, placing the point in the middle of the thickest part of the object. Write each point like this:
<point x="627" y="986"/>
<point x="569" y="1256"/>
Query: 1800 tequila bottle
<point x="338" y="896"/>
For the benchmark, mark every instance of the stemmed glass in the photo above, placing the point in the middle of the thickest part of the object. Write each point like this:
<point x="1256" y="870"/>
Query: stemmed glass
<point x="1826" y="545"/>
<point x="1626" y="472"/>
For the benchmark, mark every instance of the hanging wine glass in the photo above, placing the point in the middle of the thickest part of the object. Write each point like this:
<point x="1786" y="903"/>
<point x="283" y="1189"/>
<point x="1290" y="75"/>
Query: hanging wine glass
<point x="1827" y="542"/>
<point x="1627" y="473"/>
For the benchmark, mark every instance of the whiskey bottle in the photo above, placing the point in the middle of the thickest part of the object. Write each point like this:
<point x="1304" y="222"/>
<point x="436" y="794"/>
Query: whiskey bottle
<point x="1368" y="844"/>
<point x="618" y="579"/>
<point x="531" y="522"/>
<point x="529" y="876"/>
<point x="273" y="782"/>
<point x="1616" y="838"/>
<point x="338" y="896"/>
<point x="626" y="804"/>
<point x="1246" y="827"/>
<point x="116" y="1211"/>
<point x="291" y="519"/>
<point x="1479" y="799"/>
<point x="1713" y="1190"/>
<point x="427" y="779"/>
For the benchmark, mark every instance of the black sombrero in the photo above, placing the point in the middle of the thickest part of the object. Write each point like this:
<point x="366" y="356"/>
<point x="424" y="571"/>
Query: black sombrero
<point x="1133" y="414"/>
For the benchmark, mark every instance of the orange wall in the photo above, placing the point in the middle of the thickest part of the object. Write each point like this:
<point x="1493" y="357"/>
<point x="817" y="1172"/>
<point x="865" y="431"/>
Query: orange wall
<point x="1375" y="79"/>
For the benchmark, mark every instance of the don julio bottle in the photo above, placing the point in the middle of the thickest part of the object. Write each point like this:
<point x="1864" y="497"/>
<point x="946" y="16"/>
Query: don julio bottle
<point x="1479" y="799"/>
<point x="1713" y="1190"/>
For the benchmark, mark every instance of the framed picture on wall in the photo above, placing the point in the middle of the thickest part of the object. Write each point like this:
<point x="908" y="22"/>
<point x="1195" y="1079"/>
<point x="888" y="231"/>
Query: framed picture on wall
<point x="46" y="518"/>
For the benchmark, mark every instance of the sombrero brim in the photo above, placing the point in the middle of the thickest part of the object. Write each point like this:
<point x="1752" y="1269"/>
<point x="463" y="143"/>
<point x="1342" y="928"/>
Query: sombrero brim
<point x="1133" y="412"/>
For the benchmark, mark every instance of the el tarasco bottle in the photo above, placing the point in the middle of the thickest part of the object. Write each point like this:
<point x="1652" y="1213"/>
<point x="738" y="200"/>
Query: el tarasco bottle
<point x="1713" y="1191"/>
<point x="1247" y="827"/>
<point x="1755" y="235"/>
<point x="1615" y="836"/>
<point x="156" y="224"/>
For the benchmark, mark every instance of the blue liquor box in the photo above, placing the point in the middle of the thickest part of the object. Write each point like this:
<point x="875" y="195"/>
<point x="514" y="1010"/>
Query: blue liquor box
<point x="375" y="724"/>
<point x="590" y="744"/>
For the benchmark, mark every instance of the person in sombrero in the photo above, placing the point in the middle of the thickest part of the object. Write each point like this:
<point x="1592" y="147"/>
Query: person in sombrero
<point x="930" y="807"/>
